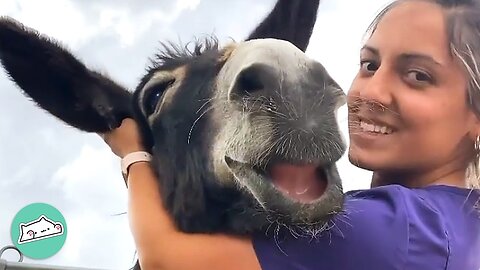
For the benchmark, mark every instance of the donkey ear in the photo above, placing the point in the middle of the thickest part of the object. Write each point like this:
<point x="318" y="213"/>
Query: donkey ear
<point x="290" y="20"/>
<point x="58" y="82"/>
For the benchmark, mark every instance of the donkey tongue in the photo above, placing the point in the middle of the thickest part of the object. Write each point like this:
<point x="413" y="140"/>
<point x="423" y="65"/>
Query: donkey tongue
<point x="300" y="182"/>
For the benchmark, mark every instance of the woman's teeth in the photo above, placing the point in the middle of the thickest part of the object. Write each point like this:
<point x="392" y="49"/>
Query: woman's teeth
<point x="375" y="128"/>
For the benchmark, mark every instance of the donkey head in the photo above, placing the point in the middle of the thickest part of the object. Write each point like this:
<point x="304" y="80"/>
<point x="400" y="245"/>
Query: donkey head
<point x="243" y="135"/>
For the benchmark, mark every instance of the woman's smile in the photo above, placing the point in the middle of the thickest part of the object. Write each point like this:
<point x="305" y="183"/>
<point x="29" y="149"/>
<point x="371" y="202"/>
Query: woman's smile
<point x="366" y="130"/>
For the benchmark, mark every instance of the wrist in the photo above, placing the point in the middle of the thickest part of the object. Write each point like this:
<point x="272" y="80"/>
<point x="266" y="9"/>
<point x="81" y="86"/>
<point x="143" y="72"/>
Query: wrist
<point x="133" y="158"/>
<point x="140" y="174"/>
<point x="138" y="166"/>
<point x="132" y="149"/>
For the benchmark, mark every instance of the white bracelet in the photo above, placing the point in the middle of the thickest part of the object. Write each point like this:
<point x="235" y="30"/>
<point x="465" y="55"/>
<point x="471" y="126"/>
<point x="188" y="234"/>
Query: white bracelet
<point x="131" y="158"/>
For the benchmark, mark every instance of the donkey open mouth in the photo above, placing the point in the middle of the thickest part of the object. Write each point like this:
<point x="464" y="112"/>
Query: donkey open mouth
<point x="243" y="136"/>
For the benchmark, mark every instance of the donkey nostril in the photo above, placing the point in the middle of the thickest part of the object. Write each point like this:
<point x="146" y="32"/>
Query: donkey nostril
<point x="253" y="80"/>
<point x="249" y="82"/>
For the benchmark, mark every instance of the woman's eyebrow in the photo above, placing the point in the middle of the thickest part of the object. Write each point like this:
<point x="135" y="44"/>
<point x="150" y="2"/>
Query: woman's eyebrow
<point x="370" y="49"/>
<point x="419" y="56"/>
<point x="406" y="56"/>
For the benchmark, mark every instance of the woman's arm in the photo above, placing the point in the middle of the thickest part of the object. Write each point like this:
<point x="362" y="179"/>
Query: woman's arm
<point x="159" y="244"/>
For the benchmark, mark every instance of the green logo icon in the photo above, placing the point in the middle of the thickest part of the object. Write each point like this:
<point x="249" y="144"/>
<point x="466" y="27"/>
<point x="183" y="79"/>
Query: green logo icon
<point x="39" y="230"/>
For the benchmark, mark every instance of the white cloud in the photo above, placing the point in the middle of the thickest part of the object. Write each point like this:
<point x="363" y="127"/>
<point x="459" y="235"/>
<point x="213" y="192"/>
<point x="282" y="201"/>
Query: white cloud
<point x="105" y="240"/>
<point x="62" y="19"/>
<point x="95" y="173"/>
<point x="94" y="188"/>
<point x="56" y="18"/>
<point x="131" y="26"/>
<point x="187" y="4"/>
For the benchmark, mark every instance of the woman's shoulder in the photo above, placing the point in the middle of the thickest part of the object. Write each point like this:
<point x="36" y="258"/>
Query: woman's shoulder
<point x="389" y="227"/>
<point x="459" y="212"/>
<point x="425" y="208"/>
<point x="430" y="207"/>
<point x="442" y="219"/>
<point x="432" y="204"/>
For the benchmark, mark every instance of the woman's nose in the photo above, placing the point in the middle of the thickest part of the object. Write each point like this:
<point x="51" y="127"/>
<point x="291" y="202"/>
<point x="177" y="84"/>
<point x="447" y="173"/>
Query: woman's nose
<point x="378" y="87"/>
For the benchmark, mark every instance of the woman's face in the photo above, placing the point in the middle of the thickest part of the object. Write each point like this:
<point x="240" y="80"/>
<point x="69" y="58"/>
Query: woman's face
<point x="407" y="104"/>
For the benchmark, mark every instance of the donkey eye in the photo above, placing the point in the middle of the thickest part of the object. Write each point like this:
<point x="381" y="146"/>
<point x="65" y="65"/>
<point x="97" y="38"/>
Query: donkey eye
<point x="154" y="94"/>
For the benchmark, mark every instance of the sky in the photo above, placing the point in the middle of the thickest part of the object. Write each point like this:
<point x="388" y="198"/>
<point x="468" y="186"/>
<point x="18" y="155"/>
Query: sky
<point x="44" y="160"/>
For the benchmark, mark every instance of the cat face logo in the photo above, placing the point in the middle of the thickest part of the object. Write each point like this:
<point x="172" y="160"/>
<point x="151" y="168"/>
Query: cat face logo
<point x="39" y="229"/>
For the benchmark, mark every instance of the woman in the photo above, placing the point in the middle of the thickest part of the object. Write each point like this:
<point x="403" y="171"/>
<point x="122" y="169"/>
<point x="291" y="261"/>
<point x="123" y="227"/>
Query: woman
<point x="414" y="110"/>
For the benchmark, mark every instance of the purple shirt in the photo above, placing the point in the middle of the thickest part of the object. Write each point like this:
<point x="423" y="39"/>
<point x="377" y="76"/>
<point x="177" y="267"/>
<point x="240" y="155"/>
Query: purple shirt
<point x="390" y="227"/>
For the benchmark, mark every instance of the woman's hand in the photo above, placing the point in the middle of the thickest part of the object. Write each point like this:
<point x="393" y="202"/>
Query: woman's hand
<point x="125" y="139"/>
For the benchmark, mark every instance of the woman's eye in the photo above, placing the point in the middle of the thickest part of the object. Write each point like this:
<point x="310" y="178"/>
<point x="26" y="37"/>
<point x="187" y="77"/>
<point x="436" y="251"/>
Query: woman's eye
<point x="368" y="66"/>
<point x="417" y="76"/>
<point x="154" y="96"/>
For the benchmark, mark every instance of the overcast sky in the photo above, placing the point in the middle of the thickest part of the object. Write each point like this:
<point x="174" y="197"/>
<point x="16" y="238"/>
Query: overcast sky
<point x="43" y="160"/>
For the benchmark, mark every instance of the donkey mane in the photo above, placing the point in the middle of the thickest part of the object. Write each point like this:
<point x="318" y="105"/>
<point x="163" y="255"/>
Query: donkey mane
<point x="174" y="54"/>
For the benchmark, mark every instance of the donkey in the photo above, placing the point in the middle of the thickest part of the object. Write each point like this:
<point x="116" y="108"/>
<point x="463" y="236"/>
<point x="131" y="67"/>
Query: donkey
<point x="244" y="136"/>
